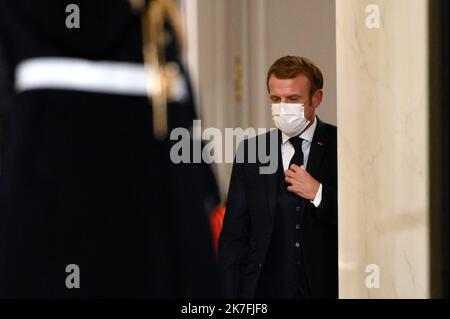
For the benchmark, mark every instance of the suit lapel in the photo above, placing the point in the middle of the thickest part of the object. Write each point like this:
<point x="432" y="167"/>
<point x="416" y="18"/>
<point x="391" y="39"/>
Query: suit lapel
<point x="272" y="180"/>
<point x="318" y="146"/>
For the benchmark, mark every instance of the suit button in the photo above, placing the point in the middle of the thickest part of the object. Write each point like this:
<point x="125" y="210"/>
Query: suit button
<point x="297" y="226"/>
<point x="259" y="265"/>
<point x="297" y="208"/>
<point x="297" y="245"/>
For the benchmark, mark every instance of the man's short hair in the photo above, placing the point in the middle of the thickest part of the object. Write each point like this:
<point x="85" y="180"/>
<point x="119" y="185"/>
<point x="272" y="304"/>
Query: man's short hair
<point x="288" y="67"/>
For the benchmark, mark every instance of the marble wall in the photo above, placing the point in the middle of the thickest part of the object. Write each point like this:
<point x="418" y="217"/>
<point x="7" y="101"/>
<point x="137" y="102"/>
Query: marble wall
<point x="382" y="116"/>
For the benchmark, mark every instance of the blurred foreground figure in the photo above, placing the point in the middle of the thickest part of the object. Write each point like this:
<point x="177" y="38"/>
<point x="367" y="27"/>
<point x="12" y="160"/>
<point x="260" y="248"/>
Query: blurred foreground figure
<point x="84" y="180"/>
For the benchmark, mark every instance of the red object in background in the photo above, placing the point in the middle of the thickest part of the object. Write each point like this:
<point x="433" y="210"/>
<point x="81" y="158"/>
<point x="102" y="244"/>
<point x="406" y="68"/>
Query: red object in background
<point x="216" y="221"/>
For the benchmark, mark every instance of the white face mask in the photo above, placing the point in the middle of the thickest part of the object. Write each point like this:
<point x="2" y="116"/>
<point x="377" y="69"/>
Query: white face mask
<point x="290" y="118"/>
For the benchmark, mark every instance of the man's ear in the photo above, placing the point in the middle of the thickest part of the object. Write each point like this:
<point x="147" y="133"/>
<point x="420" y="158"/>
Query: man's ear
<point x="317" y="98"/>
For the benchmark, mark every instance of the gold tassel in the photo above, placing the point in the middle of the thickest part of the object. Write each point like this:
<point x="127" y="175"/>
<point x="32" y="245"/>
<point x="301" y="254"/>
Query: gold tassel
<point x="161" y="76"/>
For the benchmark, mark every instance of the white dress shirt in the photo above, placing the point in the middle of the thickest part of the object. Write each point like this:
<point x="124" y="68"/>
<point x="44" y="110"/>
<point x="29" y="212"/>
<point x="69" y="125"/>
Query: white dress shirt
<point x="287" y="152"/>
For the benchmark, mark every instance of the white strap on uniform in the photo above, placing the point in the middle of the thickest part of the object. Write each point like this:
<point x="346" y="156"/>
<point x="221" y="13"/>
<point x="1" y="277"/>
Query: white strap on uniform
<point x="91" y="76"/>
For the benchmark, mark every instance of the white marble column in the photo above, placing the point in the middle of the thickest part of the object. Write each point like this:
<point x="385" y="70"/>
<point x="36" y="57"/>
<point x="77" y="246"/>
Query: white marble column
<point x="382" y="115"/>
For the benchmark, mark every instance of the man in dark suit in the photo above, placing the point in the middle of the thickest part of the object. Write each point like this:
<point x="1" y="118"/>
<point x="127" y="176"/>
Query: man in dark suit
<point x="279" y="237"/>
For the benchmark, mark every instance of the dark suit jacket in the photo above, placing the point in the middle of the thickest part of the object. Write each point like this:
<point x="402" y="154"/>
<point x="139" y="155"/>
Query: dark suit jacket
<point x="248" y="221"/>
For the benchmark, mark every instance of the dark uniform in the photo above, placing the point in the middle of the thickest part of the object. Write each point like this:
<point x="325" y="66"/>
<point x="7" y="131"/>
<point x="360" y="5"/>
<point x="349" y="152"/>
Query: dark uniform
<point x="83" y="179"/>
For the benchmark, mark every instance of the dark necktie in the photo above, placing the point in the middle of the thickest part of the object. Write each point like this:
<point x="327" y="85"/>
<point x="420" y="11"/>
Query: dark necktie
<point x="297" y="159"/>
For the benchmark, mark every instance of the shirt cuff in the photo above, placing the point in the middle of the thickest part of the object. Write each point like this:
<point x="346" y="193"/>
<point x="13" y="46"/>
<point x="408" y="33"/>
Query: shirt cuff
<point x="318" y="199"/>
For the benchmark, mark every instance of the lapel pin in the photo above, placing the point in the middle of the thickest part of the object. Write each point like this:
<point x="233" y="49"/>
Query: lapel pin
<point x="320" y="143"/>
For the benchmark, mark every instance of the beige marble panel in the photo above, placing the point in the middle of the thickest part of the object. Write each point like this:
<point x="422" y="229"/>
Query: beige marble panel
<point x="382" y="115"/>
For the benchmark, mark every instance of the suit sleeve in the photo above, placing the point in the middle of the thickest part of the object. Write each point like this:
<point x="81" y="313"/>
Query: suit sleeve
<point x="327" y="211"/>
<point x="234" y="238"/>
